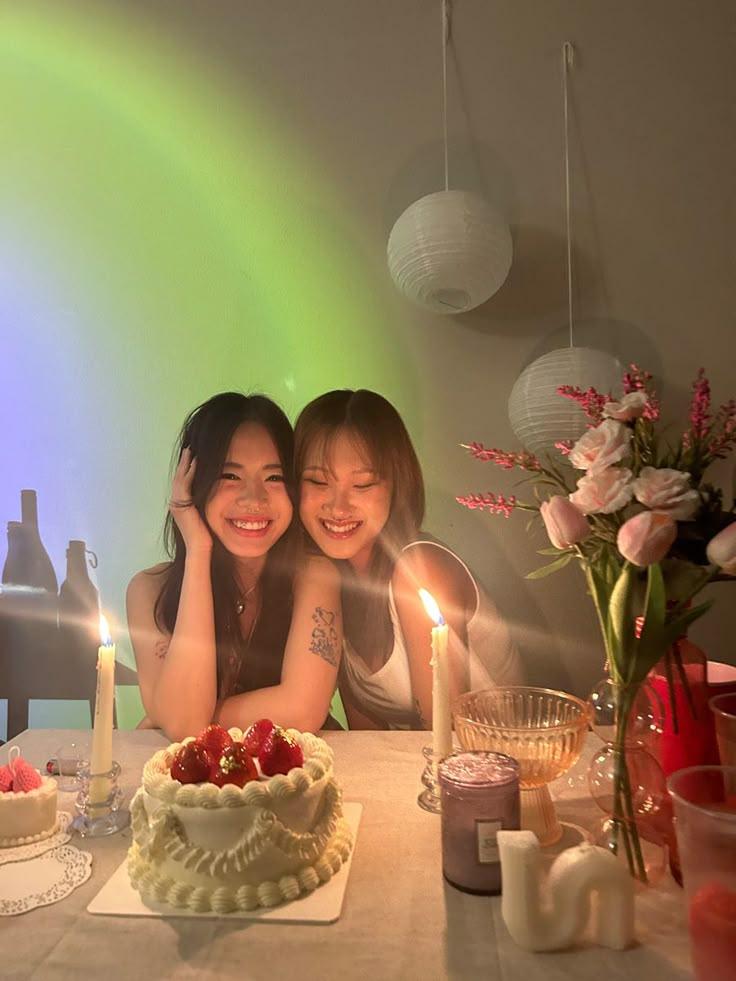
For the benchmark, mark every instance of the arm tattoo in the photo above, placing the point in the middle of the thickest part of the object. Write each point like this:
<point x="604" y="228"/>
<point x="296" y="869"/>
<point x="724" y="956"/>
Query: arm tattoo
<point x="161" y="649"/>
<point x="324" y="636"/>
<point x="420" y="718"/>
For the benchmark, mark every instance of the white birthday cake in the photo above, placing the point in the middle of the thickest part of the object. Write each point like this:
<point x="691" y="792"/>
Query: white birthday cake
<point x="203" y="847"/>
<point x="27" y="803"/>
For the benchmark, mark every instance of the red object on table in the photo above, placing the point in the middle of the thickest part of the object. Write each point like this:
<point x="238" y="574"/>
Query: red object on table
<point x="713" y="933"/>
<point x="693" y="742"/>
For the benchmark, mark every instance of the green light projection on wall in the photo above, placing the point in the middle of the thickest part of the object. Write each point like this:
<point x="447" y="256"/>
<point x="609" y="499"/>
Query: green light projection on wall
<point x="165" y="236"/>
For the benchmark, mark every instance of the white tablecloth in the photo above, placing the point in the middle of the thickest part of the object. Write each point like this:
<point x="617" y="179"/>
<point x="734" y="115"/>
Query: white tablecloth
<point x="400" y="919"/>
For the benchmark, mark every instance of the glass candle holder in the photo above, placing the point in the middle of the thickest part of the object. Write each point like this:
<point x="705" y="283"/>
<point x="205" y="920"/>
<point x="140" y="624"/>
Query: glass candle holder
<point x="479" y="793"/>
<point x="429" y="799"/>
<point x="98" y="803"/>
<point x="70" y="757"/>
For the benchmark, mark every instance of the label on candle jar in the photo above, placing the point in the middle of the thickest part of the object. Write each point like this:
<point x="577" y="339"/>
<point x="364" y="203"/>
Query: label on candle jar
<point x="485" y="841"/>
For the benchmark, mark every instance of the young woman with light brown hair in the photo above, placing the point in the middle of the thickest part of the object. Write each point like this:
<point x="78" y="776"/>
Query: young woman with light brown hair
<point x="362" y="504"/>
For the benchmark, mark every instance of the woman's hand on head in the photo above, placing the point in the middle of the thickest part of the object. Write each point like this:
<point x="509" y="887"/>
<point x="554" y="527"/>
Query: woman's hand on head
<point x="196" y="534"/>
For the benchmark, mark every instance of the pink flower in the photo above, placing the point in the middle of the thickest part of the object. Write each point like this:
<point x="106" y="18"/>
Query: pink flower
<point x="721" y="550"/>
<point x="647" y="537"/>
<point x="600" y="447"/>
<point x="590" y="401"/>
<point x="667" y="491"/>
<point x="493" y="503"/>
<point x="565" y="524"/>
<point x="629" y="408"/>
<point x="604" y="491"/>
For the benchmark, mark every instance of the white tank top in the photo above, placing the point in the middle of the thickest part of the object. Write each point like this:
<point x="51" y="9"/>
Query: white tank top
<point x="492" y="659"/>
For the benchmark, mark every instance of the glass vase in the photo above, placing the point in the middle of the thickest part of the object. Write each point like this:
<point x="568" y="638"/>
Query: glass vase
<point x="628" y="784"/>
<point x="625" y="778"/>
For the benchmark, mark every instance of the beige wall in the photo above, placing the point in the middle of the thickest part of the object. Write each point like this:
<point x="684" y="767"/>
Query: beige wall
<point x="653" y="101"/>
<point x="653" y="161"/>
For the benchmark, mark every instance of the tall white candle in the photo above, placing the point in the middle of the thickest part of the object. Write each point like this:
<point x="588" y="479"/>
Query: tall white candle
<point x="101" y="756"/>
<point x="441" y="712"/>
<point x="555" y="916"/>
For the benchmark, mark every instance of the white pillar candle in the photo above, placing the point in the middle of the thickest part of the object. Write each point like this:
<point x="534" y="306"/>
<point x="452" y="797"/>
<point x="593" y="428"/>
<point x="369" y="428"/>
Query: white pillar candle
<point x="441" y="712"/>
<point x="101" y="756"/>
<point x="556" y="916"/>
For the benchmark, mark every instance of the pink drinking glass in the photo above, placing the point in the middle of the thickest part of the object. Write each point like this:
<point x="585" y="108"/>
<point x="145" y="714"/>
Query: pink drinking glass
<point x="705" y="821"/>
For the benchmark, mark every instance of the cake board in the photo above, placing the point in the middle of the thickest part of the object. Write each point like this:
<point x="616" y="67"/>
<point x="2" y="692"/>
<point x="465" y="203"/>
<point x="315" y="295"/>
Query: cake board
<point x="118" y="897"/>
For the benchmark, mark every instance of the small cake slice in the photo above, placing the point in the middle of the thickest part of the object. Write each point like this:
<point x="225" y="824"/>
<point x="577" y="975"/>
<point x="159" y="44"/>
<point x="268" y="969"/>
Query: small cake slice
<point x="27" y="803"/>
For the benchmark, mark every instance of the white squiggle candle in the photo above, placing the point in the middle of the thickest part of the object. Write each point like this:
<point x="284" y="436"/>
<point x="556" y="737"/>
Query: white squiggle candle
<point x="556" y="916"/>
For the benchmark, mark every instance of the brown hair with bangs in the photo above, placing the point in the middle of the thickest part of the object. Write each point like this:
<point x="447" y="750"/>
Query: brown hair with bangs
<point x="380" y="434"/>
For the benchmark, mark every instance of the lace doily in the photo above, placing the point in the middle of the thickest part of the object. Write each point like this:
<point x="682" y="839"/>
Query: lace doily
<point x="42" y="880"/>
<point x="59" y="837"/>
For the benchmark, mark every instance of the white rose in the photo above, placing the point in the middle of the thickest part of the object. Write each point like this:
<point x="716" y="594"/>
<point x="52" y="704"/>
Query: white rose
<point x="600" y="447"/>
<point x="667" y="492"/>
<point x="721" y="550"/>
<point x="629" y="408"/>
<point x="603" y="491"/>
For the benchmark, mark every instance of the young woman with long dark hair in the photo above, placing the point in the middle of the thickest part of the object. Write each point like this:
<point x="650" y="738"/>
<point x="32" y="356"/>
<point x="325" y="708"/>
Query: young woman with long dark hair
<point x="240" y="624"/>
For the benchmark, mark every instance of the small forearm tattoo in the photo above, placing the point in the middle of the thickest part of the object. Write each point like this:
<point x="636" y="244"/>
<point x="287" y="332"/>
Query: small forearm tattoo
<point x="324" y="637"/>
<point x="420" y="718"/>
<point x="161" y="649"/>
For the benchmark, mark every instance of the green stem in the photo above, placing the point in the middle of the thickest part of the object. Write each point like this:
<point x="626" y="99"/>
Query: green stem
<point x="677" y="656"/>
<point x="671" y="690"/>
<point x="624" y="816"/>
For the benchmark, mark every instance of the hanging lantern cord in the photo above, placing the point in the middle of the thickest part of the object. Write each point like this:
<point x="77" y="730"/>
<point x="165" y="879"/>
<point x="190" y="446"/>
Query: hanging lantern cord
<point x="445" y="42"/>
<point x="567" y="63"/>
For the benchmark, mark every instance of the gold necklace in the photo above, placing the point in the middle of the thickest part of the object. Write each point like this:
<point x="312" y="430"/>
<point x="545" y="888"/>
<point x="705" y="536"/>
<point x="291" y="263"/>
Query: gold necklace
<point x="240" y="607"/>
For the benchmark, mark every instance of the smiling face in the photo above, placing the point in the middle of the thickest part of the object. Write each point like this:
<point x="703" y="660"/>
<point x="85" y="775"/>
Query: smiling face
<point x="248" y="507"/>
<point x="344" y="503"/>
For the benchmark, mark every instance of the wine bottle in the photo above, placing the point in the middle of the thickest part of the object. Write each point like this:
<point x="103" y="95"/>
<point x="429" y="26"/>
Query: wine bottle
<point x="39" y="571"/>
<point x="14" y="570"/>
<point x="29" y="663"/>
<point x="79" y="600"/>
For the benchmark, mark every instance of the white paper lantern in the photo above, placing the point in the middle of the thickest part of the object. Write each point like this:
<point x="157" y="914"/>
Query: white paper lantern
<point x="449" y="251"/>
<point x="539" y="416"/>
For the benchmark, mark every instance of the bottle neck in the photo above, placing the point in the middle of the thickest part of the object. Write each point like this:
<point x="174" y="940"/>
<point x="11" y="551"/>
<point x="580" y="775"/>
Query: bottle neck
<point x="76" y="562"/>
<point x="29" y="508"/>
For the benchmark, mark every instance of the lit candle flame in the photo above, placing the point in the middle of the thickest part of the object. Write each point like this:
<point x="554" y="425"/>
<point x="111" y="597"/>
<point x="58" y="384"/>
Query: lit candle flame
<point x="431" y="607"/>
<point x="105" y="638"/>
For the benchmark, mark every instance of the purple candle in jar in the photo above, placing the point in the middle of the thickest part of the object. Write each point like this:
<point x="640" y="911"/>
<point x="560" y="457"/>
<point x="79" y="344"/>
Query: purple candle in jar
<point x="480" y="795"/>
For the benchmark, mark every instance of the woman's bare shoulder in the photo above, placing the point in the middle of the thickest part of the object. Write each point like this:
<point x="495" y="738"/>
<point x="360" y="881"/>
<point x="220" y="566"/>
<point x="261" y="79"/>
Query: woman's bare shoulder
<point x="435" y="568"/>
<point x="428" y="556"/>
<point x="148" y="582"/>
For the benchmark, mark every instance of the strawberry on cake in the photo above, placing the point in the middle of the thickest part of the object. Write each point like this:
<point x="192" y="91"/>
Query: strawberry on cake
<point x="27" y="803"/>
<point x="231" y="820"/>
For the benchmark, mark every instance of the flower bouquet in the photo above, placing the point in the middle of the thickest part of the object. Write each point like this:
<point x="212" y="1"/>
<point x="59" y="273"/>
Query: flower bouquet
<point x="647" y="528"/>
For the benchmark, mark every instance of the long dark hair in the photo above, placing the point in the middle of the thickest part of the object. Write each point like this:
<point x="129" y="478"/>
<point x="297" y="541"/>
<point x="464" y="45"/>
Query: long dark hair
<point x="380" y="434"/>
<point x="208" y="431"/>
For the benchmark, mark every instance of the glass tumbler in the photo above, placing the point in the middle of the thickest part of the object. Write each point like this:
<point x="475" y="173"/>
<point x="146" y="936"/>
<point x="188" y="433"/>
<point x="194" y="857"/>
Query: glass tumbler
<point x="705" y="822"/>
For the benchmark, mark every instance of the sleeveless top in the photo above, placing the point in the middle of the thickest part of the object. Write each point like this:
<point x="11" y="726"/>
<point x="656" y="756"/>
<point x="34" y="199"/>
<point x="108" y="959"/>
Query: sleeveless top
<point x="492" y="659"/>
